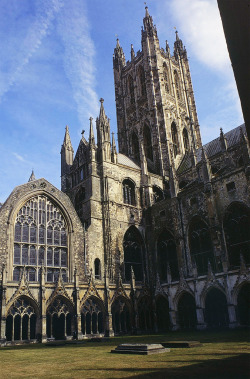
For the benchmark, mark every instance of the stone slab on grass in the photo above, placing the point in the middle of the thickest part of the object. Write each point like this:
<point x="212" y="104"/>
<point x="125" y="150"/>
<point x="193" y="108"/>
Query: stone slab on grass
<point x="141" y="349"/>
<point x="181" y="344"/>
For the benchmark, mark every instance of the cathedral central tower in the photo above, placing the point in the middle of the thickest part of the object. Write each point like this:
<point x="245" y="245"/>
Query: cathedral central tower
<point x="156" y="112"/>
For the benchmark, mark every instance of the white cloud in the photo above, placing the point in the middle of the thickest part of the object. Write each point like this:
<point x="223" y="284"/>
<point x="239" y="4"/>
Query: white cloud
<point x="23" y="49"/>
<point x="79" y="57"/>
<point x="19" y="157"/>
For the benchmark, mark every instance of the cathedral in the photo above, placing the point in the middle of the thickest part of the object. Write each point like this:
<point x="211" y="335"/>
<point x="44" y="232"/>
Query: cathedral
<point x="152" y="238"/>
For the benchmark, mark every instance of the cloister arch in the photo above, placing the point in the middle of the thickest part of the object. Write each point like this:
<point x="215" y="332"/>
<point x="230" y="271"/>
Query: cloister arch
<point x="60" y="319"/>
<point x="92" y="316"/>
<point x="243" y="304"/>
<point x="121" y="315"/>
<point x="21" y="320"/>
<point x="216" y="312"/>
<point x="145" y="314"/>
<point x="162" y="313"/>
<point x="186" y="311"/>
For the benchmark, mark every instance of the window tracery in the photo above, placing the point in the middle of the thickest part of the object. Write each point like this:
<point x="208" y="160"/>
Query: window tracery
<point x="40" y="238"/>
<point x="175" y="140"/>
<point x="128" y="192"/>
<point x="167" y="256"/>
<point x="132" y="245"/>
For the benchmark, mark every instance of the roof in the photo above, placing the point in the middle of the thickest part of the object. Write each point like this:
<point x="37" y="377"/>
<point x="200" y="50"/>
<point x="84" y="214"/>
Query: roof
<point x="214" y="147"/>
<point x="126" y="161"/>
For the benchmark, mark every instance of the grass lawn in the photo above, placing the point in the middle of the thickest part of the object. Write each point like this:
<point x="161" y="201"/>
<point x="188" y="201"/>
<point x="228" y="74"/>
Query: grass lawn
<point x="223" y="355"/>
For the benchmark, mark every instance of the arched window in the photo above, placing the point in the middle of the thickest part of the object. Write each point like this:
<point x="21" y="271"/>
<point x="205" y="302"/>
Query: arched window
<point x="167" y="256"/>
<point x="175" y="140"/>
<point x="128" y="192"/>
<point x="157" y="194"/>
<point x="177" y="85"/>
<point x="135" y="147"/>
<point x="147" y="143"/>
<point x="97" y="265"/>
<point x="142" y="81"/>
<point x="40" y="238"/>
<point x="165" y="75"/>
<point x="237" y="227"/>
<point x="133" y="251"/>
<point x="185" y="139"/>
<point x="131" y="89"/>
<point x="201" y="246"/>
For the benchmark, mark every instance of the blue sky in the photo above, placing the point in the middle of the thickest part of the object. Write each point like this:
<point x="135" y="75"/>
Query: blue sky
<point x="56" y="62"/>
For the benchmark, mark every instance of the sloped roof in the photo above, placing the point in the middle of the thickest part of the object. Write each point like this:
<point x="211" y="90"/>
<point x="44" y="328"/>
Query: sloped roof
<point x="214" y="147"/>
<point x="126" y="161"/>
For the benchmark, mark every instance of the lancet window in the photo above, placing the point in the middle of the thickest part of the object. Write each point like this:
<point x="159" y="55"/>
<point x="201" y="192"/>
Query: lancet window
<point x="131" y="89"/>
<point x="177" y="85"/>
<point x="165" y="75"/>
<point x="185" y="139"/>
<point x="128" y="192"/>
<point x="175" y="140"/>
<point x="40" y="239"/>
<point x="147" y="143"/>
<point x="142" y="80"/>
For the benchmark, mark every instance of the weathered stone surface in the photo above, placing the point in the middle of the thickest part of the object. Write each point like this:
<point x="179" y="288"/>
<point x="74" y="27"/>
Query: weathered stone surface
<point x="141" y="349"/>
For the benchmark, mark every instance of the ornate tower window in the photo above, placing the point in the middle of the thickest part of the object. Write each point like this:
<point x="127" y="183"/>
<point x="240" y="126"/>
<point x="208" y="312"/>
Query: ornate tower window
<point x="177" y="85"/>
<point x="141" y="75"/>
<point x="97" y="267"/>
<point x="40" y="239"/>
<point x="128" y="192"/>
<point x="185" y="139"/>
<point x="135" y="147"/>
<point x="147" y="143"/>
<point x="131" y="89"/>
<point x="165" y="75"/>
<point x="175" y="140"/>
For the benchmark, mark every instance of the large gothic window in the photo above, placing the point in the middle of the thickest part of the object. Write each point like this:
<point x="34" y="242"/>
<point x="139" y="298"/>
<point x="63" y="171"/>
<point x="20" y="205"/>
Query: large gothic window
<point x="128" y="192"/>
<point x="142" y="81"/>
<point x="167" y="256"/>
<point x="135" y="147"/>
<point x="131" y="89"/>
<point x="201" y="246"/>
<point x="175" y="140"/>
<point x="40" y="239"/>
<point x="147" y="143"/>
<point x="133" y="251"/>
<point x="237" y="233"/>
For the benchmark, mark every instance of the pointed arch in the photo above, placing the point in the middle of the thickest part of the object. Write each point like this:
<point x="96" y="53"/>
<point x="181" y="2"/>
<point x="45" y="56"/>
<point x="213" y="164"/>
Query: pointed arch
<point x="236" y="225"/>
<point x="216" y="312"/>
<point x="162" y="313"/>
<point x="133" y="254"/>
<point x="128" y="192"/>
<point x="145" y="314"/>
<point x="121" y="315"/>
<point x="147" y="140"/>
<point x="175" y="139"/>
<point x="243" y="304"/>
<point x="200" y="245"/>
<point x="59" y="318"/>
<point x="97" y="268"/>
<point x="187" y="311"/>
<point x="167" y="256"/>
<point x="92" y="316"/>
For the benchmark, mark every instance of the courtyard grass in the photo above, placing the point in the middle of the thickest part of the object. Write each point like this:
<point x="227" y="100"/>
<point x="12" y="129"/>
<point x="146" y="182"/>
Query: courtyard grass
<point x="223" y="355"/>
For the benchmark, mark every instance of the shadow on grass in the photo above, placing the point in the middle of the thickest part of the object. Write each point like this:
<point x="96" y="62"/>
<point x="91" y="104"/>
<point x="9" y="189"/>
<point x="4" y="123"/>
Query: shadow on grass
<point x="228" y="368"/>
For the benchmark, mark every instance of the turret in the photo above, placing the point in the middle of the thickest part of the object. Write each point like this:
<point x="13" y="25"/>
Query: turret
<point x="67" y="154"/>
<point x="92" y="146"/>
<point x="118" y="57"/>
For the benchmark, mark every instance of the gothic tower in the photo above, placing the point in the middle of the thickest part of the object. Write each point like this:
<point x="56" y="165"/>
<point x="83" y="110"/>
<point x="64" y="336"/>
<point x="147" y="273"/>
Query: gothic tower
<point x="156" y="112"/>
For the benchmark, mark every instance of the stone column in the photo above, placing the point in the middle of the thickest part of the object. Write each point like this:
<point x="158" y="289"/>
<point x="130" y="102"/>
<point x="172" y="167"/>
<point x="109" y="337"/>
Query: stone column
<point x="232" y="316"/>
<point x="173" y="320"/>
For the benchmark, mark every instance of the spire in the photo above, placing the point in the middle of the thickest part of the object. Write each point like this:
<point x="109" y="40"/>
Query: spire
<point x="178" y="45"/>
<point x="102" y="111"/>
<point x="32" y="176"/>
<point x="118" y="57"/>
<point x="67" y="141"/>
<point x="103" y="133"/>
<point x="149" y="27"/>
<point x="113" y="149"/>
<point x="132" y="52"/>
<point x="91" y="132"/>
